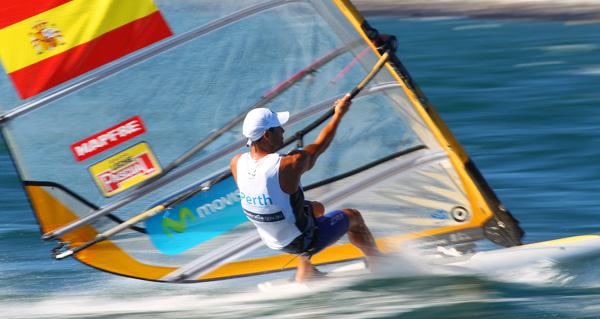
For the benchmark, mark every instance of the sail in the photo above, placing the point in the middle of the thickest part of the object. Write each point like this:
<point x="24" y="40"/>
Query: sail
<point x="129" y="162"/>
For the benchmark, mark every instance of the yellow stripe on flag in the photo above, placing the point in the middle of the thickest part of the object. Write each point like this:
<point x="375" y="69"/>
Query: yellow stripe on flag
<point x="76" y="22"/>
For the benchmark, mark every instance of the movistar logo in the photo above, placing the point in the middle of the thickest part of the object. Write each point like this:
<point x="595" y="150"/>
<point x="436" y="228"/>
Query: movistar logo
<point x="179" y="225"/>
<point x="218" y="204"/>
<point x="186" y="217"/>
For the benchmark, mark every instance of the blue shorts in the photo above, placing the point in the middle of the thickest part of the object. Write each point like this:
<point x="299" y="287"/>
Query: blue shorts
<point x="331" y="227"/>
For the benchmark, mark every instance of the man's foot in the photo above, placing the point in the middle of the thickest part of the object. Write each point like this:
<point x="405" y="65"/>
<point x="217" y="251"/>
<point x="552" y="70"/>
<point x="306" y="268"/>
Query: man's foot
<point x="308" y="273"/>
<point x="374" y="262"/>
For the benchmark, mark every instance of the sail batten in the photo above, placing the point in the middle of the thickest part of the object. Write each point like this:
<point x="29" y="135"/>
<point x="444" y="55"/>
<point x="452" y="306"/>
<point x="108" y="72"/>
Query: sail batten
<point x="216" y="258"/>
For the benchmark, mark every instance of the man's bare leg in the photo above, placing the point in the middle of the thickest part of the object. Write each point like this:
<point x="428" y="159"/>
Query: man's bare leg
<point x="360" y="235"/>
<point x="306" y="270"/>
<point x="318" y="209"/>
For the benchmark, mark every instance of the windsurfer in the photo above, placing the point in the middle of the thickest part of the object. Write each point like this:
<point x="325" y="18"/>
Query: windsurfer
<point x="273" y="197"/>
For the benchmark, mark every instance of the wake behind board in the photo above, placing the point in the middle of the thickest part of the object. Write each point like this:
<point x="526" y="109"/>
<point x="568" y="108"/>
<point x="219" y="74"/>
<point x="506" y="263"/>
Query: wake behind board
<point x="558" y="250"/>
<point x="353" y="270"/>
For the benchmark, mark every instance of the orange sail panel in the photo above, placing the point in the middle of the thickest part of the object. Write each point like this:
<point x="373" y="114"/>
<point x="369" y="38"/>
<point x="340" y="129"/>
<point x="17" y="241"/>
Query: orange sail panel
<point x="70" y="38"/>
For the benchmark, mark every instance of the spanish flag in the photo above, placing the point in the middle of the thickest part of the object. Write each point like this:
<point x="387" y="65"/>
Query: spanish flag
<point x="44" y="43"/>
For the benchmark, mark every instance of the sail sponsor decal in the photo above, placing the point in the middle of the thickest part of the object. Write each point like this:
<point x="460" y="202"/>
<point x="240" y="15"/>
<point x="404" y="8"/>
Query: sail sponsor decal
<point x="125" y="169"/>
<point x="202" y="217"/>
<point x="458" y="213"/>
<point x="48" y="42"/>
<point x="435" y="217"/>
<point x="108" y="138"/>
<point x="439" y="214"/>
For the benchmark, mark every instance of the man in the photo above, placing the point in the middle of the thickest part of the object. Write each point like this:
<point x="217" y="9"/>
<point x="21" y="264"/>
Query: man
<point x="272" y="196"/>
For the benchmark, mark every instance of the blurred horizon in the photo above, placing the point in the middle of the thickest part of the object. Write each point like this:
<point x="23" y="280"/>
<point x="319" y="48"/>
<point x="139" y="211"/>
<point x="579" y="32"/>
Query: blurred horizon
<point x="570" y="11"/>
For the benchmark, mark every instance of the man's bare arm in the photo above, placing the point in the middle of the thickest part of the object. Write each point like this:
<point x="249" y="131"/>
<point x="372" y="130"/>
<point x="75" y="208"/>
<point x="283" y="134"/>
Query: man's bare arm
<point x="297" y="162"/>
<point x="233" y="166"/>
<point x="325" y="137"/>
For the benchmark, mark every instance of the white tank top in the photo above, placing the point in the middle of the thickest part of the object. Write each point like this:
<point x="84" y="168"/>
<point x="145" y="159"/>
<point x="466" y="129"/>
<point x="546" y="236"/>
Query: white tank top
<point x="274" y="212"/>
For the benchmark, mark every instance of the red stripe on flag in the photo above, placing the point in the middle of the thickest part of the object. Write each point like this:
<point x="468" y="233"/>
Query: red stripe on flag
<point x="13" y="11"/>
<point x="48" y="73"/>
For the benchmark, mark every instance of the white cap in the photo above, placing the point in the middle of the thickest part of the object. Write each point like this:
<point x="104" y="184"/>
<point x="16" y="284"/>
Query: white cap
<point x="259" y="120"/>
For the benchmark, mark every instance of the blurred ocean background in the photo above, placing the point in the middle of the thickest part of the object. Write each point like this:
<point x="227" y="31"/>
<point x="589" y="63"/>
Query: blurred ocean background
<point x="521" y="96"/>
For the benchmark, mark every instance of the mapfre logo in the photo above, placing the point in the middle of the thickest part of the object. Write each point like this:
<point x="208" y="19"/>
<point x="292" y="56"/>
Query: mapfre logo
<point x="108" y="138"/>
<point x="125" y="169"/>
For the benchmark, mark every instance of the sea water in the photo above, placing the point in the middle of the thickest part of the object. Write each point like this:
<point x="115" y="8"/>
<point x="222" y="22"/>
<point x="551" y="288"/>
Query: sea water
<point x="522" y="97"/>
